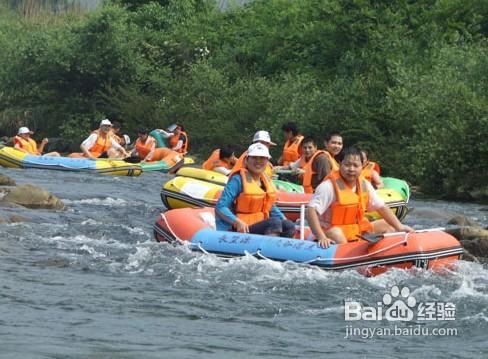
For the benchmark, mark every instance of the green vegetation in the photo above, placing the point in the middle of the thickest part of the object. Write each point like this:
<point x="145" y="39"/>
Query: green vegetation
<point x="406" y="79"/>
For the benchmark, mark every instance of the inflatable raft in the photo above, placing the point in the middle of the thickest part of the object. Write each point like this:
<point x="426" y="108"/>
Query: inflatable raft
<point x="182" y="192"/>
<point x="221" y="179"/>
<point x="429" y="249"/>
<point x="169" y="164"/>
<point x="13" y="158"/>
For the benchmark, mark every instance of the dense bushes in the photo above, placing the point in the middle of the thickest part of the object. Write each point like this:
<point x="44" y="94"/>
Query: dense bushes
<point x="406" y="79"/>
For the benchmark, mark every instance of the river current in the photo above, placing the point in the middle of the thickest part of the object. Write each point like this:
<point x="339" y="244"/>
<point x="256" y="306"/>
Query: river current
<point x="91" y="282"/>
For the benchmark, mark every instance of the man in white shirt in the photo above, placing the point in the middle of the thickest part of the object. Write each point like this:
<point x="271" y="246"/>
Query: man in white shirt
<point x="100" y="142"/>
<point x="336" y="211"/>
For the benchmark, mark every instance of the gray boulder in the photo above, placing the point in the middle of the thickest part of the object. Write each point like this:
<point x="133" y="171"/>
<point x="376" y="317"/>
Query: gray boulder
<point x="34" y="197"/>
<point x="6" y="181"/>
<point x="473" y="239"/>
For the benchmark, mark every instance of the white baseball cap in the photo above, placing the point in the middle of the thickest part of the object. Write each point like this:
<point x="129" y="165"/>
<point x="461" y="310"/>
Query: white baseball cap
<point x="105" y="122"/>
<point x="23" y="130"/>
<point x="258" y="150"/>
<point x="263" y="136"/>
<point x="126" y="139"/>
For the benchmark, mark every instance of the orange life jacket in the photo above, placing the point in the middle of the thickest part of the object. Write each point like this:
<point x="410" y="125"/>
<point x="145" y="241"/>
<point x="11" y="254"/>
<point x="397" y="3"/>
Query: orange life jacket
<point x="334" y="166"/>
<point x="214" y="161"/>
<point x="28" y="144"/>
<point x="347" y="212"/>
<point x="102" y="145"/>
<point x="291" y="150"/>
<point x="309" y="172"/>
<point x="368" y="168"/>
<point x="253" y="204"/>
<point x="173" y="141"/>
<point x="116" y="137"/>
<point x="163" y="153"/>
<point x="143" y="149"/>
<point x="240" y="164"/>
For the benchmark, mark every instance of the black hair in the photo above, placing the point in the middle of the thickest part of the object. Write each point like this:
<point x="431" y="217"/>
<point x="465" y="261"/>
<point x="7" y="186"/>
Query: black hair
<point x="330" y="135"/>
<point x="364" y="154"/>
<point x="143" y="131"/>
<point x="308" y="139"/>
<point x="226" y="151"/>
<point x="352" y="151"/>
<point x="290" y="127"/>
<point x="116" y="125"/>
<point x="180" y="126"/>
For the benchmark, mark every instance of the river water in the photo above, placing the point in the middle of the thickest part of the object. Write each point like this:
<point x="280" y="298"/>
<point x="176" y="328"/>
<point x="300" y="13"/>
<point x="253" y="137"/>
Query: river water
<point x="91" y="282"/>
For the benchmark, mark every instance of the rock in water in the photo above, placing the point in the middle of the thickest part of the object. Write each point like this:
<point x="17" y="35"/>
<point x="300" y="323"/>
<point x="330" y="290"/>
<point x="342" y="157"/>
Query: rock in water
<point x="34" y="197"/>
<point x="473" y="239"/>
<point x="461" y="220"/>
<point x="6" y="181"/>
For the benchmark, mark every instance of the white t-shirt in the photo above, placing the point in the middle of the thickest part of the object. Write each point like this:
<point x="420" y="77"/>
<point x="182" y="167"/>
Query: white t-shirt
<point x="325" y="195"/>
<point x="92" y="139"/>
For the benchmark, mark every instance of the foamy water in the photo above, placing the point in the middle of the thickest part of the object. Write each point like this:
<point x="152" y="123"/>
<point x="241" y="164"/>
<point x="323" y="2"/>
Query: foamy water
<point x="91" y="282"/>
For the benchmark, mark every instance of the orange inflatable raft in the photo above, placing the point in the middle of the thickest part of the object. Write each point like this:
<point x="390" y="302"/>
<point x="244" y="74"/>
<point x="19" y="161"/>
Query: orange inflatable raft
<point x="431" y="249"/>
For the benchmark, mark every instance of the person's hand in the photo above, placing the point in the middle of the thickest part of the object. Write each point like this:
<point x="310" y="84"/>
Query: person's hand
<point x="325" y="242"/>
<point x="44" y="141"/>
<point x="241" y="226"/>
<point x="405" y="228"/>
<point x="298" y="171"/>
<point x="278" y="168"/>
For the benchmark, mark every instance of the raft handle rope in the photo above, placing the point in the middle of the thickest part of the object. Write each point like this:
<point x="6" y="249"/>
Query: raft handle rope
<point x="256" y="254"/>
<point x="199" y="246"/>
<point x="163" y="217"/>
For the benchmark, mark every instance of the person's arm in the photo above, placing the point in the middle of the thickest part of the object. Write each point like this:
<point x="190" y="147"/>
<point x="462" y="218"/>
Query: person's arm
<point x="150" y="155"/>
<point x="226" y="201"/>
<point x="314" y="224"/>
<point x="392" y="220"/>
<point x="280" y="161"/>
<point x="322" y="169"/>
<point x="318" y="205"/>
<point x="377" y="204"/>
<point x="117" y="146"/>
<point x="87" y="144"/>
<point x="40" y="150"/>
<point x="165" y="134"/>
<point x="376" y="180"/>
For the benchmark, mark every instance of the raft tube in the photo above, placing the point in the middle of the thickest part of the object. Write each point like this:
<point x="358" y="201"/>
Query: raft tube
<point x="13" y="158"/>
<point x="221" y="179"/>
<point x="429" y="249"/>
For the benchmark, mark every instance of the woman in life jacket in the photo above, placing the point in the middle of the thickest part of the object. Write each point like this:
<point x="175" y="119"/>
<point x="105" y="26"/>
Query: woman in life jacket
<point x="335" y="213"/>
<point x="371" y="171"/>
<point x="247" y="203"/>
<point x="333" y="145"/>
<point x="222" y="160"/>
<point x="292" y="149"/>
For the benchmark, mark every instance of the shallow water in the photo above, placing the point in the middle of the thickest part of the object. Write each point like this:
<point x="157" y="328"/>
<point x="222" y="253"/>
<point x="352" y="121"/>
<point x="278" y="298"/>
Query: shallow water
<point x="91" y="282"/>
